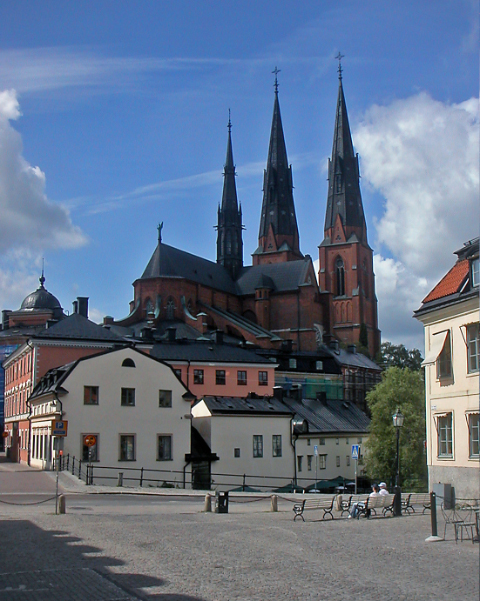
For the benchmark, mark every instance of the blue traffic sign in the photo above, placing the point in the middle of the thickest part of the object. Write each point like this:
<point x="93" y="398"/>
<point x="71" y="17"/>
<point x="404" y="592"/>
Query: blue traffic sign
<point x="355" y="451"/>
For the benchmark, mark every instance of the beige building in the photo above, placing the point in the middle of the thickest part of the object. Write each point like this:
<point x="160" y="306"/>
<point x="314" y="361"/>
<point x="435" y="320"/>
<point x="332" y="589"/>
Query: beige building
<point x="450" y="314"/>
<point x="133" y="408"/>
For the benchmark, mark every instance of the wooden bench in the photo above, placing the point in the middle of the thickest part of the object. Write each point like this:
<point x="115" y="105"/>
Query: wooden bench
<point x="415" y="498"/>
<point x="383" y="502"/>
<point x="325" y="504"/>
<point x="348" y="502"/>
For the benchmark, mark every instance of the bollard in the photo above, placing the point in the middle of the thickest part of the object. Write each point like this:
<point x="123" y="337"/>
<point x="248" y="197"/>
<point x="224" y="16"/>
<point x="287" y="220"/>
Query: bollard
<point x="433" y="519"/>
<point x="274" y="503"/>
<point x="208" y="503"/>
<point x="338" y="502"/>
<point x="62" y="504"/>
<point x="120" y="479"/>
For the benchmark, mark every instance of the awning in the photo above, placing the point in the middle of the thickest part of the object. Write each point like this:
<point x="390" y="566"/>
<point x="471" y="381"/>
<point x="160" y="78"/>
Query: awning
<point x="437" y="342"/>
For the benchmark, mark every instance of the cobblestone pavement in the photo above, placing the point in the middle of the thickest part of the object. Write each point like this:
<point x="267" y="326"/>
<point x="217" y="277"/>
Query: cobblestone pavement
<point x="248" y="554"/>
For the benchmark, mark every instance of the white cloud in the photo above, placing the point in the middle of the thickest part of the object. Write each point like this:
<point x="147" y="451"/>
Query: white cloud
<point x="19" y="273"/>
<point x="422" y="156"/>
<point x="29" y="219"/>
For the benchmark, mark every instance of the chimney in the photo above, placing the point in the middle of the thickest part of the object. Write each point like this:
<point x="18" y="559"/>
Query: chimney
<point x="171" y="334"/>
<point x="352" y="348"/>
<point x="108" y="320"/>
<point x="333" y="345"/>
<point x="146" y="334"/>
<point x="75" y="306"/>
<point x="5" y="318"/>
<point x="296" y="392"/>
<point x="218" y="337"/>
<point x="278" y="393"/>
<point x="83" y="306"/>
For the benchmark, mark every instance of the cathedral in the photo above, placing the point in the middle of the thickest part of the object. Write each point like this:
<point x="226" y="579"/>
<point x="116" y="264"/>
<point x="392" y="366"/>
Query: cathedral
<point x="277" y="300"/>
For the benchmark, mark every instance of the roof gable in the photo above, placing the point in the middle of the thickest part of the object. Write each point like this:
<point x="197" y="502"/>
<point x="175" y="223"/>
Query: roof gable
<point x="450" y="283"/>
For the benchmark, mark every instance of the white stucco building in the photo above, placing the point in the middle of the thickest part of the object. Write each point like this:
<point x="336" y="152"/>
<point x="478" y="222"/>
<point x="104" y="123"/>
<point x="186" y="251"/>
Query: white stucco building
<point x="450" y="314"/>
<point x="132" y="406"/>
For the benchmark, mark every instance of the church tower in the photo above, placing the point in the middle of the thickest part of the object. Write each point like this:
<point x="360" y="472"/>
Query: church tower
<point x="229" y="228"/>
<point x="278" y="238"/>
<point x="345" y="258"/>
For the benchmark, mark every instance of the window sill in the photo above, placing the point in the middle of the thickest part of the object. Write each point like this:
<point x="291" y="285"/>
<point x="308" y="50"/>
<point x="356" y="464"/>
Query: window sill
<point x="445" y="458"/>
<point x="126" y="460"/>
<point x="163" y="460"/>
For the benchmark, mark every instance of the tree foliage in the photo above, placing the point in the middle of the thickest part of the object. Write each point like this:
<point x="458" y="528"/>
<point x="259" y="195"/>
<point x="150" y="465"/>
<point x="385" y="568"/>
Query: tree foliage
<point x="402" y="389"/>
<point x="397" y="355"/>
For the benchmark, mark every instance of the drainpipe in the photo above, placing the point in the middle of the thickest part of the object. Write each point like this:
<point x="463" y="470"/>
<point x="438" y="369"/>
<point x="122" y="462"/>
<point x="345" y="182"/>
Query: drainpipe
<point x="184" y="475"/>
<point x="298" y="323"/>
<point x="293" y="442"/>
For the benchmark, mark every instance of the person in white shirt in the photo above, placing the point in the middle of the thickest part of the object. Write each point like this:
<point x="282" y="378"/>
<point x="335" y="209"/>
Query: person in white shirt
<point x="383" y="488"/>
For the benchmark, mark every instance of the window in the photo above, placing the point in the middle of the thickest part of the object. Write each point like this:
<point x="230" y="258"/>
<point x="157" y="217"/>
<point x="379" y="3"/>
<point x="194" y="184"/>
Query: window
<point x="90" y="451"/>
<point x="170" y="308"/>
<point x="242" y="378"/>
<point x="340" y="276"/>
<point x="348" y="460"/>
<point x="220" y="377"/>
<point x="236" y="453"/>
<point x="338" y="460"/>
<point x="128" y="362"/>
<point x="444" y="428"/>
<point x="359" y="440"/>
<point x="444" y="360"/>
<point x="337" y="441"/>
<point x="164" y="398"/>
<point x="128" y="397"/>
<point x="164" y="448"/>
<point x="322" y="462"/>
<point x="276" y="445"/>
<point x="198" y="376"/>
<point x="300" y="462"/>
<point x="473" y="344"/>
<point x="473" y="433"/>
<point x="90" y="395"/>
<point x="309" y="462"/>
<point x="319" y="365"/>
<point x="321" y="441"/>
<point x="127" y="447"/>
<point x="292" y="363"/>
<point x="347" y="441"/>
<point x="257" y="445"/>
<point x="263" y="378"/>
<point x="309" y="442"/>
<point x="475" y="272"/>
<point x="178" y="373"/>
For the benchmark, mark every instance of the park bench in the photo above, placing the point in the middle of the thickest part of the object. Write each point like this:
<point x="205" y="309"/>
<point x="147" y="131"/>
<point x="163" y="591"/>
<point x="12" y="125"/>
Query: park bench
<point x="383" y="502"/>
<point x="349" y="500"/>
<point x="324" y="503"/>
<point x="415" y="498"/>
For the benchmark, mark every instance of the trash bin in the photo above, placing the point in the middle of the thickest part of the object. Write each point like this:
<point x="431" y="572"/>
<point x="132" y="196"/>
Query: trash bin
<point x="221" y="502"/>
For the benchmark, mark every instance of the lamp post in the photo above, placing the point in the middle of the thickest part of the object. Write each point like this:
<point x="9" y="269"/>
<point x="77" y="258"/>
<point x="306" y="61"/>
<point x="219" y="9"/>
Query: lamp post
<point x="398" y="420"/>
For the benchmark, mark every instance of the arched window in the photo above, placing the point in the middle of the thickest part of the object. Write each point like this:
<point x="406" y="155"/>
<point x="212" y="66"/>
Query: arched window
<point x="340" y="276"/>
<point x="170" y="308"/>
<point x="128" y="362"/>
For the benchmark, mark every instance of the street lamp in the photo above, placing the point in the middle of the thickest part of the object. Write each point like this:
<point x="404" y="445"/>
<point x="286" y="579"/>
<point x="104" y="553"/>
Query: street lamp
<point x="398" y="420"/>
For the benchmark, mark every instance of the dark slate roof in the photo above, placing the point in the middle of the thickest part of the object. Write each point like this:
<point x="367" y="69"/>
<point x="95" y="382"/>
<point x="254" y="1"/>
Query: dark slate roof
<point x="280" y="277"/>
<point x="77" y="327"/>
<point x="238" y="320"/>
<point x="329" y="417"/>
<point x="207" y="352"/>
<point x="52" y="381"/>
<point x="168" y="261"/>
<point x="346" y="359"/>
<point x="253" y="406"/>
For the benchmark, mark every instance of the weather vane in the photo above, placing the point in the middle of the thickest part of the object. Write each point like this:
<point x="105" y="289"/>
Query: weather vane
<point x="276" y="71"/>
<point x="339" y="58"/>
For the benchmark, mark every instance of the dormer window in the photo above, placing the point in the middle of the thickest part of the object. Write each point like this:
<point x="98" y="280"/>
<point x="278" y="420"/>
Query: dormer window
<point x="474" y="266"/>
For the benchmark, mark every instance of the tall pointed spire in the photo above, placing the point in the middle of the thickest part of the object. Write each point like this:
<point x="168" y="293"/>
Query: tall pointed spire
<point x="344" y="196"/>
<point x="229" y="236"/>
<point x="278" y="223"/>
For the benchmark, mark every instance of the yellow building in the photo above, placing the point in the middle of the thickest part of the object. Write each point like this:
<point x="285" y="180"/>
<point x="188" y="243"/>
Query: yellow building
<point x="450" y="314"/>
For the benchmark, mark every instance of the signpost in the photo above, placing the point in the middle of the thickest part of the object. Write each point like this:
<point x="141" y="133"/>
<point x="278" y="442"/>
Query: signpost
<point x="355" y="456"/>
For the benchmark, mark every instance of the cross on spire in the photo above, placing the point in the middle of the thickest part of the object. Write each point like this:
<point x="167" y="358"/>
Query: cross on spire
<point x="275" y="85"/>
<point x="339" y="59"/>
<point x="229" y="123"/>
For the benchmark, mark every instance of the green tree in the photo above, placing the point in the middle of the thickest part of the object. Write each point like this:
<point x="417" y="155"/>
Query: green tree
<point x="402" y="389"/>
<point x="397" y="355"/>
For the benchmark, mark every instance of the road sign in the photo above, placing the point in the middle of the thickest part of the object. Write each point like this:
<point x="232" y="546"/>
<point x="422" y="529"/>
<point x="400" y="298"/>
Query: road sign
<point x="355" y="451"/>
<point x="5" y="434"/>
<point x="315" y="450"/>
<point x="59" y="428"/>
<point x="90" y="440"/>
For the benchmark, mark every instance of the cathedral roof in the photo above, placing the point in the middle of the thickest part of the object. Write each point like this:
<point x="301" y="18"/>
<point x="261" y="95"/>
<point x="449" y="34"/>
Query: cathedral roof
<point x="279" y="277"/>
<point x="168" y="261"/>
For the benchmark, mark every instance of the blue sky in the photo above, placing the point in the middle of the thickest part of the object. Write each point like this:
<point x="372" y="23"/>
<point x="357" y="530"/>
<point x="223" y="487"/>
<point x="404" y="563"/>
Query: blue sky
<point x="113" y="117"/>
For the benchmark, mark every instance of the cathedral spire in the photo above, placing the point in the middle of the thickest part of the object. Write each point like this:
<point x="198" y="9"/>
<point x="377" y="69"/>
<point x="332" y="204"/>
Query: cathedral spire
<point x="278" y="223"/>
<point x="344" y="196"/>
<point x="229" y="236"/>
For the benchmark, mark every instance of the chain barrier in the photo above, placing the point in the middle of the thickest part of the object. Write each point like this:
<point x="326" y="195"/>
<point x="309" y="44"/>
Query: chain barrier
<point x="34" y="503"/>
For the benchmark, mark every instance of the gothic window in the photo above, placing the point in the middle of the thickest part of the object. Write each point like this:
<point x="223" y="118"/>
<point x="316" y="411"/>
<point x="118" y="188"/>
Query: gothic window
<point x="170" y="308"/>
<point x="340" y="276"/>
